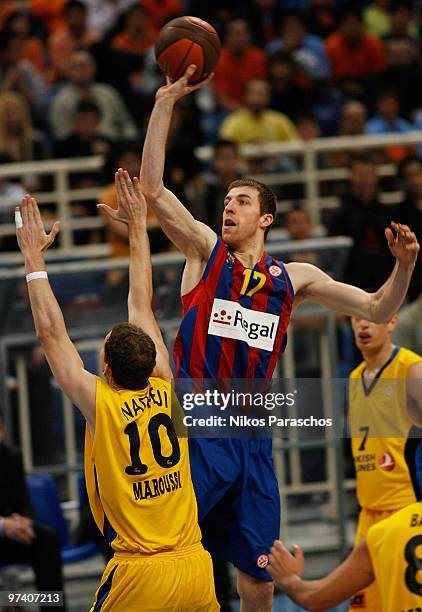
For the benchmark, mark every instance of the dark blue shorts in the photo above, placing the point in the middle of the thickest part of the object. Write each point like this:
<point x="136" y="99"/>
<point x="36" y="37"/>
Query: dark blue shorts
<point x="238" y="499"/>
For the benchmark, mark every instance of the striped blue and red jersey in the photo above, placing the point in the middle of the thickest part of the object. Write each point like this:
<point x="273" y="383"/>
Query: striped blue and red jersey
<point x="235" y="320"/>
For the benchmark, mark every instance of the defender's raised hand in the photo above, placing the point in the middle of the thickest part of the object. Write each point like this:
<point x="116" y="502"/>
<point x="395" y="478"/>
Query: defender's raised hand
<point x="131" y="204"/>
<point x="31" y="235"/>
<point x="177" y="89"/>
<point x="404" y="246"/>
<point x="283" y="565"/>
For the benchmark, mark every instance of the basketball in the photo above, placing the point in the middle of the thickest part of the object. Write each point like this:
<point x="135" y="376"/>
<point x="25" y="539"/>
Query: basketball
<point x="185" y="41"/>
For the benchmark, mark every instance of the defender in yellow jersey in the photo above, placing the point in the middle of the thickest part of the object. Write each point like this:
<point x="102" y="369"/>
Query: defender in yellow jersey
<point x="385" y="400"/>
<point x="391" y="555"/>
<point x="136" y="460"/>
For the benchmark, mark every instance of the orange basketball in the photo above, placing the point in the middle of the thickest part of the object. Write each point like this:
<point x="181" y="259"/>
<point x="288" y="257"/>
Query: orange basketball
<point x="184" y="41"/>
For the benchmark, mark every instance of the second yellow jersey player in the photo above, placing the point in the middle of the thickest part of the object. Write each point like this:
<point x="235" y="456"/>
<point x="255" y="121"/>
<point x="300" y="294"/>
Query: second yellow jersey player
<point x="383" y="442"/>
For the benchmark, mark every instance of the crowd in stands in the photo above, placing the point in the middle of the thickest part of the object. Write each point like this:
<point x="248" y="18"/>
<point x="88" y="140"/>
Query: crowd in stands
<point x="78" y="78"/>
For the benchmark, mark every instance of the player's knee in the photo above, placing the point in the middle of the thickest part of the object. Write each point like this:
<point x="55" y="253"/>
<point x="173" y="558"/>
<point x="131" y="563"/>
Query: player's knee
<point x="255" y="593"/>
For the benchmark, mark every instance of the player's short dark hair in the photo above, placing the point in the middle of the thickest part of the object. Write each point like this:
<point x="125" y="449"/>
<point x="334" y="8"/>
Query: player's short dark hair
<point x="222" y="143"/>
<point x="88" y="106"/>
<point x="362" y="158"/>
<point x="131" y="355"/>
<point x="74" y="4"/>
<point x="409" y="159"/>
<point x="266" y="197"/>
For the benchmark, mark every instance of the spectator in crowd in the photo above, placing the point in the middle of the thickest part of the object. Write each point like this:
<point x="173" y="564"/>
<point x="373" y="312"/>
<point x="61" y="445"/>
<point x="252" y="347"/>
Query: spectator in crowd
<point x="364" y="218"/>
<point x="387" y="119"/>
<point x="308" y="127"/>
<point x="163" y="11"/>
<point x="84" y="141"/>
<point x="86" y="138"/>
<point x="408" y="331"/>
<point x="289" y="93"/>
<point x="410" y="210"/>
<point x="352" y="122"/>
<point x="307" y="50"/>
<point x="224" y="169"/>
<point x="403" y="23"/>
<point x="240" y="62"/>
<point x="116" y="123"/>
<point x="377" y="18"/>
<point x="403" y="74"/>
<point x="353" y="119"/>
<point x="264" y="17"/>
<point x="11" y="195"/>
<point x="255" y="122"/>
<point x="49" y="13"/>
<point x="20" y="25"/>
<point x="17" y="74"/>
<point x="75" y="35"/>
<point x="22" y="540"/>
<point x="125" y="155"/>
<point x="354" y="55"/>
<point x="138" y="35"/>
<point x="18" y="138"/>
<point x="299" y="225"/>
<point x="322" y="17"/>
<point x="104" y="14"/>
<point x="182" y="170"/>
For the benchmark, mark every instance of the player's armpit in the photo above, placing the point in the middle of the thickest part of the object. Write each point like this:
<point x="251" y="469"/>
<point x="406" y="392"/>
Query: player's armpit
<point x="414" y="393"/>
<point x="193" y="238"/>
<point x="68" y="369"/>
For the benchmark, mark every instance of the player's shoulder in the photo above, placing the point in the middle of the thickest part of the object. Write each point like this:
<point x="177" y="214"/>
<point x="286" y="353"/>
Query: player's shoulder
<point x="407" y="357"/>
<point x="356" y="373"/>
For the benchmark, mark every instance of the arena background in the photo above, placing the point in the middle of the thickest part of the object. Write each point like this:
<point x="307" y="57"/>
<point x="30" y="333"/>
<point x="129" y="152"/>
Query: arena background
<point x="339" y="143"/>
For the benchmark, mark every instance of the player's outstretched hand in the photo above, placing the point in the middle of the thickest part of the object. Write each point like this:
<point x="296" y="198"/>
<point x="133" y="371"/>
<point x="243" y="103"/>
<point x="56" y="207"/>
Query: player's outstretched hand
<point x="283" y="565"/>
<point x="404" y="246"/>
<point x="30" y="231"/>
<point x="177" y="89"/>
<point x="131" y="204"/>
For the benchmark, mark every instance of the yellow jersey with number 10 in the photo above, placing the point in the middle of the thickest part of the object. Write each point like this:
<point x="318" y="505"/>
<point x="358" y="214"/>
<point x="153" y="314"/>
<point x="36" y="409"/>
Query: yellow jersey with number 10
<point x="380" y="428"/>
<point x="395" y="548"/>
<point x="137" y="471"/>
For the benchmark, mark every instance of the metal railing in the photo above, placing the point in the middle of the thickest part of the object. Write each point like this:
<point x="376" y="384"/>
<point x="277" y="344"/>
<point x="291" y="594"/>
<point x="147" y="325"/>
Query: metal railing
<point x="308" y="174"/>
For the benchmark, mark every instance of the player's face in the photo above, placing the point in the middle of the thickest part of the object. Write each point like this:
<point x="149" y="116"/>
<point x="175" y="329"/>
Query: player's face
<point x="371" y="337"/>
<point x="241" y="216"/>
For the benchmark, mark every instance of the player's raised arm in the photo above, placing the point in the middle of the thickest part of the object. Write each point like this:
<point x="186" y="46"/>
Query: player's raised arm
<point x="354" y="574"/>
<point x="63" y="358"/>
<point x="132" y="211"/>
<point x="193" y="238"/>
<point x="310" y="283"/>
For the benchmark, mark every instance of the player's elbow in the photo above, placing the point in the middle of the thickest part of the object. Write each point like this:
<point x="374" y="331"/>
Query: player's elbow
<point x="45" y="332"/>
<point x="152" y="192"/>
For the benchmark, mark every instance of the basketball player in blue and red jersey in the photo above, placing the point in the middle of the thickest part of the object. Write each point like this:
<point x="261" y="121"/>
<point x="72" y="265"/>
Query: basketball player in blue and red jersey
<point x="237" y="302"/>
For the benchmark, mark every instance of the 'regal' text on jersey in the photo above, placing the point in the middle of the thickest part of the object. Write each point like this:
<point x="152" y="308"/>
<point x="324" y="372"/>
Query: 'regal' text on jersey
<point x="235" y="320"/>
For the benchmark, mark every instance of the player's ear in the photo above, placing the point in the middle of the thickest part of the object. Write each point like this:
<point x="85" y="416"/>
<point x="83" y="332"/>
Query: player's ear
<point x="107" y="371"/>
<point x="266" y="220"/>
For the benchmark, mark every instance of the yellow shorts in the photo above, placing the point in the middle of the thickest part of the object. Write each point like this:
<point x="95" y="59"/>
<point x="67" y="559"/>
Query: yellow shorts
<point x="165" y="582"/>
<point x="368" y="599"/>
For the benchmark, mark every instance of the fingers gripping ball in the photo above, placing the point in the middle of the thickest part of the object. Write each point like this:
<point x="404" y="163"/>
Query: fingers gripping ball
<point x="185" y="41"/>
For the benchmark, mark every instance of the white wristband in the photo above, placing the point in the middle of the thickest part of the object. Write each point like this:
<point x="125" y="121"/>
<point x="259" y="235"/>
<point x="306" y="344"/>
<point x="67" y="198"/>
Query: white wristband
<point x="34" y="275"/>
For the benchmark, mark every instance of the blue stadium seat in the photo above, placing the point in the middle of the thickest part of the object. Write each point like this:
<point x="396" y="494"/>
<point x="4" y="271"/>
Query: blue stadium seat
<point x="46" y="503"/>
